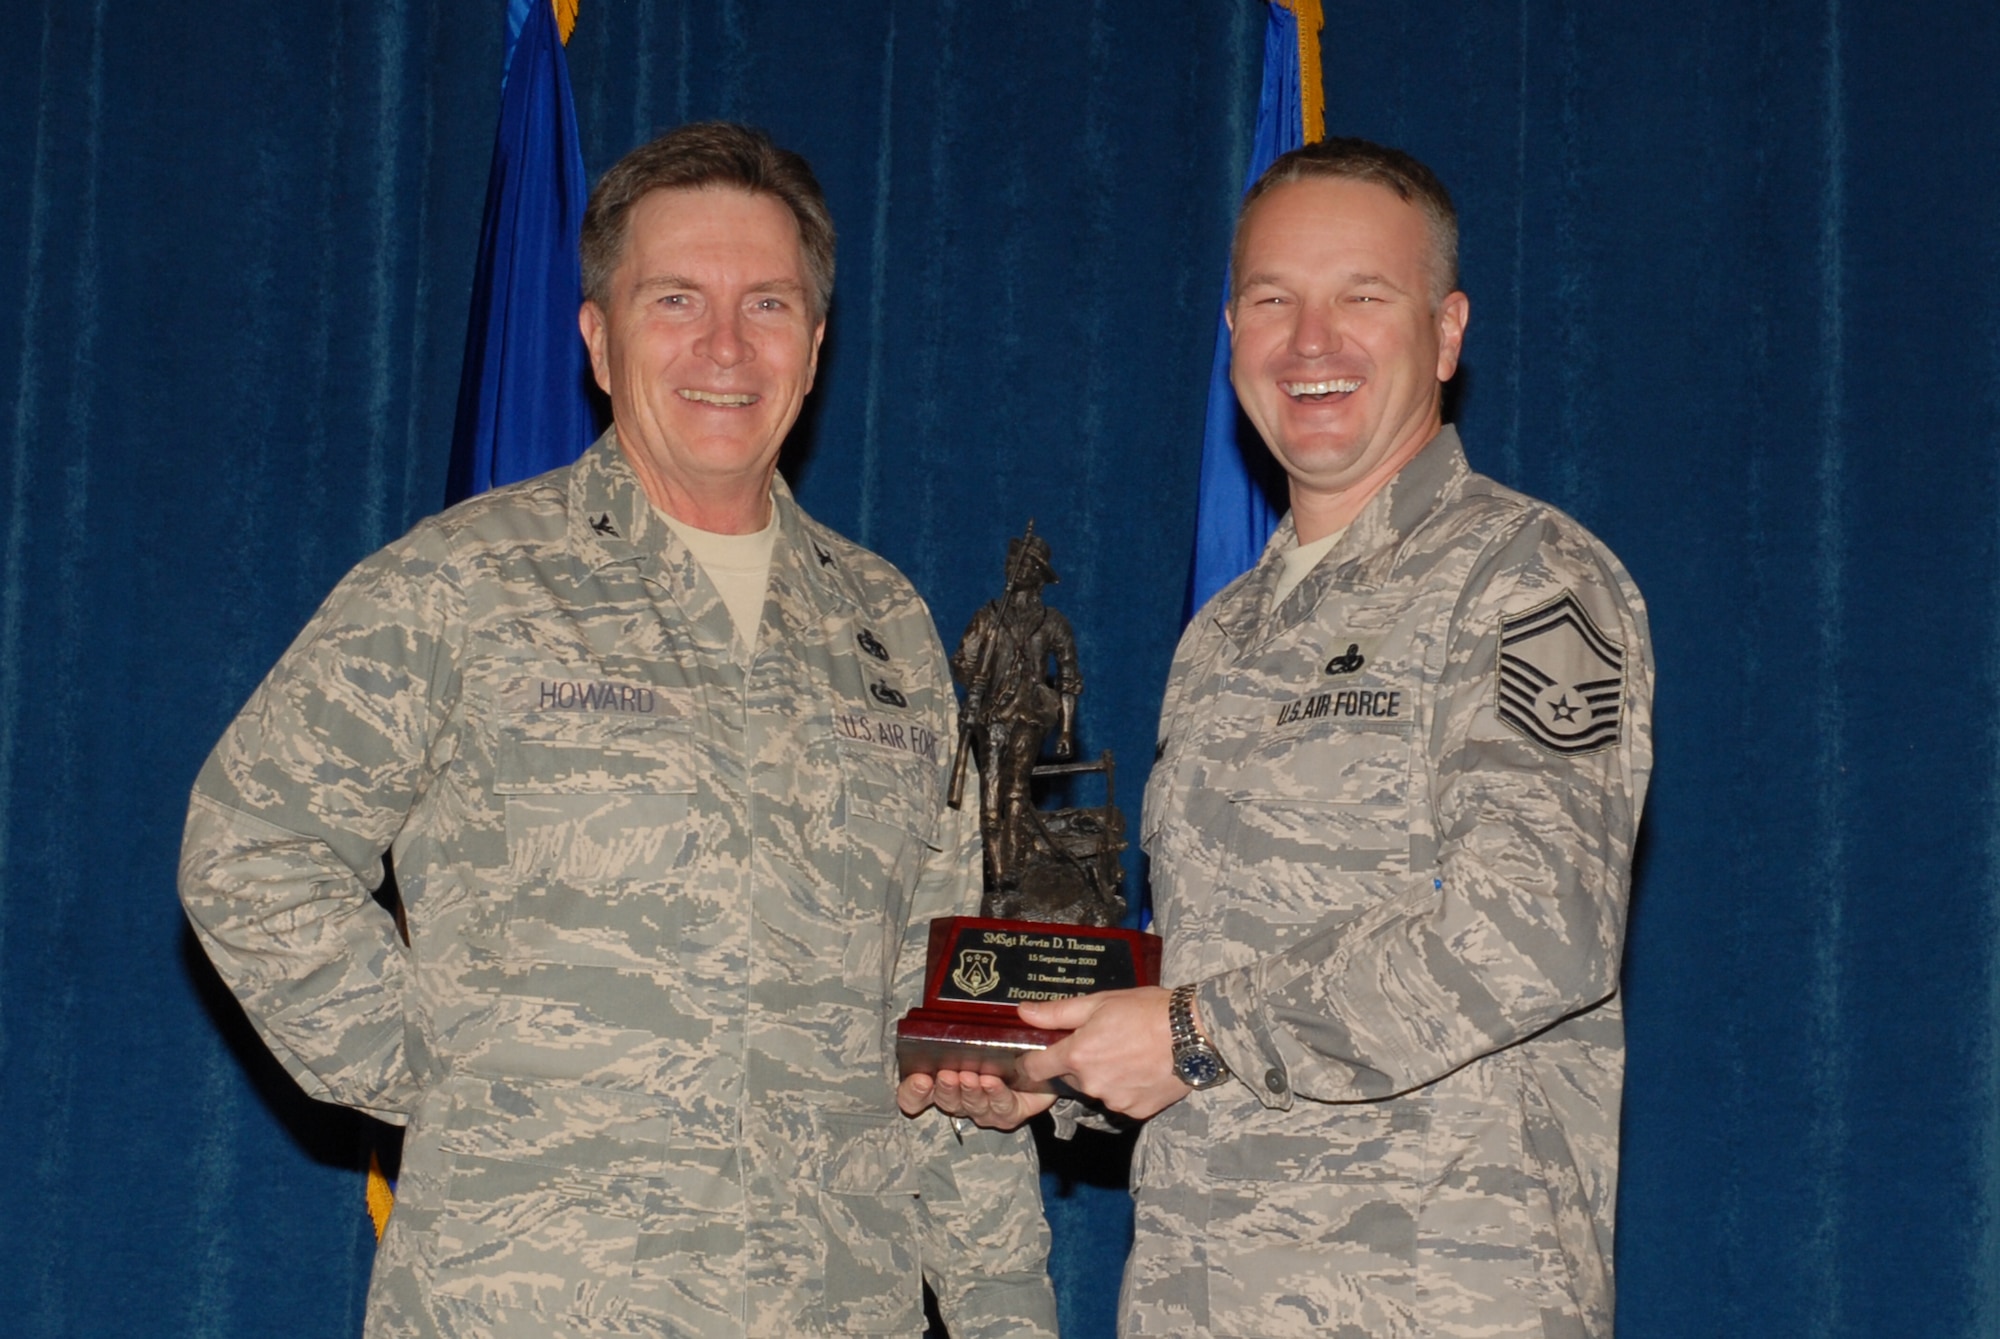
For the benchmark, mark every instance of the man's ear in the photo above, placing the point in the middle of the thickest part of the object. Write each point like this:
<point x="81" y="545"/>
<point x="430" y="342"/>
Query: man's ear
<point x="812" y="362"/>
<point x="590" y="320"/>
<point x="1453" y="313"/>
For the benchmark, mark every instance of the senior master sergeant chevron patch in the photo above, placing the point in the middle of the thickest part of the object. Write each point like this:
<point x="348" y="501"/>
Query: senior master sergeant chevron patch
<point x="1562" y="681"/>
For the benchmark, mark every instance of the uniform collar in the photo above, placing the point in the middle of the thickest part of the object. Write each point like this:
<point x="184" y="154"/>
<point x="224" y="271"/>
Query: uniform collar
<point x="804" y="567"/>
<point x="1431" y="478"/>
<point x="612" y="521"/>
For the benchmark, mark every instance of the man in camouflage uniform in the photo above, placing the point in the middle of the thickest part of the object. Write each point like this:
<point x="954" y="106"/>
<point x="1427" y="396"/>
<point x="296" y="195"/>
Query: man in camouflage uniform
<point x="667" y="856"/>
<point x="1401" y="765"/>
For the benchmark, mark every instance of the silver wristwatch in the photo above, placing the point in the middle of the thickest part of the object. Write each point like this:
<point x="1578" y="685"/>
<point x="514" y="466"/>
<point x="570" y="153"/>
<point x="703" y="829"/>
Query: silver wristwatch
<point x="1195" y="1062"/>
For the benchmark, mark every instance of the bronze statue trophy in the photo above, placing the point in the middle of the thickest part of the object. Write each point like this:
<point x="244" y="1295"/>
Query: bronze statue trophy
<point x="1048" y="923"/>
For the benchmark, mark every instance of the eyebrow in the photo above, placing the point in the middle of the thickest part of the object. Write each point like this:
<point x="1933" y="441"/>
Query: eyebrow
<point x="666" y="281"/>
<point x="1357" y="279"/>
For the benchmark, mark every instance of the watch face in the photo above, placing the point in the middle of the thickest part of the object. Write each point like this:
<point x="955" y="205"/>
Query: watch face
<point x="1198" y="1069"/>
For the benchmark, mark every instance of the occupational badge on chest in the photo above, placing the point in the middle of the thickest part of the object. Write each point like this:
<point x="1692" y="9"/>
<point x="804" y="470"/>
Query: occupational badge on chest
<point x="1562" y="681"/>
<point x="1350" y="660"/>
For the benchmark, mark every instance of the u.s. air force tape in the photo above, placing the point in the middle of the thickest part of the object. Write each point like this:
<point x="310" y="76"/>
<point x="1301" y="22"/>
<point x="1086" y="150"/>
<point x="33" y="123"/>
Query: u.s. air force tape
<point x="1562" y="681"/>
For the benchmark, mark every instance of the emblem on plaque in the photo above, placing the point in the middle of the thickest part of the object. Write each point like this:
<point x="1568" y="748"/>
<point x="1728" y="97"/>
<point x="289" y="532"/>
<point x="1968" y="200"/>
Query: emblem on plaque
<point x="978" y="971"/>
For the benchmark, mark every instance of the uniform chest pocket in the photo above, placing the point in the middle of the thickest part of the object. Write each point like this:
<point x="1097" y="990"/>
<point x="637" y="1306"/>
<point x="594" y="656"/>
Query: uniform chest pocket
<point x="888" y="823"/>
<point x="1319" y="829"/>
<point x="1333" y="763"/>
<point x="597" y="800"/>
<point x="886" y="795"/>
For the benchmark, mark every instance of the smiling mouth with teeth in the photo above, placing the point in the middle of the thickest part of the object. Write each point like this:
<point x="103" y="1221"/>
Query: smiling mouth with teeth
<point x="728" y="401"/>
<point x="1317" y="390"/>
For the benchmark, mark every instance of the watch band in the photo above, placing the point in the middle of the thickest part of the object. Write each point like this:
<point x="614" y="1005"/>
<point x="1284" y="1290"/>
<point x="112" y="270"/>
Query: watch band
<point x="1196" y="1061"/>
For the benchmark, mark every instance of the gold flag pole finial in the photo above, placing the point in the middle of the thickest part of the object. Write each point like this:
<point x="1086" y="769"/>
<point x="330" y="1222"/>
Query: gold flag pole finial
<point x="566" y="18"/>
<point x="1312" y="89"/>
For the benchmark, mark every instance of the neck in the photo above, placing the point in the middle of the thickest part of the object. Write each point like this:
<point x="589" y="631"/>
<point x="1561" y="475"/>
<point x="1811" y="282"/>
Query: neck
<point x="1317" y="513"/>
<point x="735" y="505"/>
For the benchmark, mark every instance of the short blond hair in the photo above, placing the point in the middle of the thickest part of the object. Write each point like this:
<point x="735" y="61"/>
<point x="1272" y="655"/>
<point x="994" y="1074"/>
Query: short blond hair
<point x="1363" y="160"/>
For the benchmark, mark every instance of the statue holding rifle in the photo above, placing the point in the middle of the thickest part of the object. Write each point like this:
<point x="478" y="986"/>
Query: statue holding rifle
<point x="1011" y="703"/>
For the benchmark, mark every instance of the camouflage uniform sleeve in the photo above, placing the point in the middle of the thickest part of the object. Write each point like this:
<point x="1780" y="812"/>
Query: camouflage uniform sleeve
<point x="292" y="812"/>
<point x="985" y="1241"/>
<point x="1521" y="920"/>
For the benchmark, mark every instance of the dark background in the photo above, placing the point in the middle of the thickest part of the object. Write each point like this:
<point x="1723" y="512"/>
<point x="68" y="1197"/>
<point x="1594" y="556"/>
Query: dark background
<point x="1732" y="270"/>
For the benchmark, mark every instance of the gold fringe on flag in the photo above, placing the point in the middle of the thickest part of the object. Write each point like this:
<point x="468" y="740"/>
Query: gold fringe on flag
<point x="381" y="1195"/>
<point x="1312" y="89"/>
<point x="566" y="19"/>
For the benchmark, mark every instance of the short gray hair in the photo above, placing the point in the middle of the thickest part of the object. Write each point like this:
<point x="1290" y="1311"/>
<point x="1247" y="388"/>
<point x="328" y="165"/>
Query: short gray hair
<point x="701" y="155"/>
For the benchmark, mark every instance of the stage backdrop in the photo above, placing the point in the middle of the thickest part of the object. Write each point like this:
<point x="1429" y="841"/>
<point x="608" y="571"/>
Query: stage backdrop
<point x="1731" y="268"/>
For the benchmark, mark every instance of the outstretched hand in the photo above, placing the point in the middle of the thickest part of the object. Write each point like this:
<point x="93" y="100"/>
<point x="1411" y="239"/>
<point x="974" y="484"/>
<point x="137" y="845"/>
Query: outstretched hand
<point x="1120" y="1049"/>
<point x="981" y="1098"/>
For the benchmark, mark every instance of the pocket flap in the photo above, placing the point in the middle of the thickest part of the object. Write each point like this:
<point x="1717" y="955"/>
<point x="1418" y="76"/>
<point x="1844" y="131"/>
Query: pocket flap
<point x="889" y="789"/>
<point x="552" y="753"/>
<point x="867" y="1154"/>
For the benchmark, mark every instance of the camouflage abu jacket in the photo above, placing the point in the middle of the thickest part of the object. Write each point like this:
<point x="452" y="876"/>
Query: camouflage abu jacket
<point x="1391" y="833"/>
<point x="661" y="916"/>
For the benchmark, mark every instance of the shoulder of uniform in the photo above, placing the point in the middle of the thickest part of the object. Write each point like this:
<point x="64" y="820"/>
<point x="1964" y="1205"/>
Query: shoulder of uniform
<point x="535" y="508"/>
<point x="1226" y="597"/>
<point x="1494" y="516"/>
<point x="1526" y="554"/>
<point x="462" y="538"/>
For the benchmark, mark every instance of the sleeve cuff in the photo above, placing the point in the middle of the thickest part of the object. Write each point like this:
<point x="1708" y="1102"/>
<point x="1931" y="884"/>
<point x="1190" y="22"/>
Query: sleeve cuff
<point x="1226" y="1009"/>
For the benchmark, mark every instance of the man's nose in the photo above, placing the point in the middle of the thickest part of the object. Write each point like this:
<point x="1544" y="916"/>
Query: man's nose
<point x="1315" y="332"/>
<point x="723" y="343"/>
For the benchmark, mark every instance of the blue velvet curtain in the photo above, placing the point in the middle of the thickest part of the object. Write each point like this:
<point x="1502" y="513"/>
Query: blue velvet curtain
<point x="1730" y="268"/>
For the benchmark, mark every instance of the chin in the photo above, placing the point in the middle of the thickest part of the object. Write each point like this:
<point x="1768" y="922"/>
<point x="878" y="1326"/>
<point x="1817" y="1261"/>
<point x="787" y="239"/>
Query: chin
<point x="1318" y="460"/>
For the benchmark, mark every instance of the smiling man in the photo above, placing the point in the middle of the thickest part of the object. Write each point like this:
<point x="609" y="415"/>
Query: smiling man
<point x="657" y="759"/>
<point x="1401" y="765"/>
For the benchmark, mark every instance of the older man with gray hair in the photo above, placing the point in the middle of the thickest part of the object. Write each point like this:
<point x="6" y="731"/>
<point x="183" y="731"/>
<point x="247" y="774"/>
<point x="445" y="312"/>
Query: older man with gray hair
<point x="659" y="760"/>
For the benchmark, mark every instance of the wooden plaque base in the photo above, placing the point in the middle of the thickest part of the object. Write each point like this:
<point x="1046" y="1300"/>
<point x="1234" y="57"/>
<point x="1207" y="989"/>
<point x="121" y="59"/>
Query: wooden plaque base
<point x="980" y="969"/>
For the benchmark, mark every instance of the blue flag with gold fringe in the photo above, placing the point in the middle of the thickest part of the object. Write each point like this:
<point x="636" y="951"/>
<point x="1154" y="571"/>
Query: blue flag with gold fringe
<point x="1233" y="512"/>
<point x="523" y="396"/>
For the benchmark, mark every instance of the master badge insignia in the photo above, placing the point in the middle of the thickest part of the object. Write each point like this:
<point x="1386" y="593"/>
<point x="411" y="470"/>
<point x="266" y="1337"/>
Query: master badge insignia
<point x="1562" y="681"/>
<point x="978" y="971"/>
